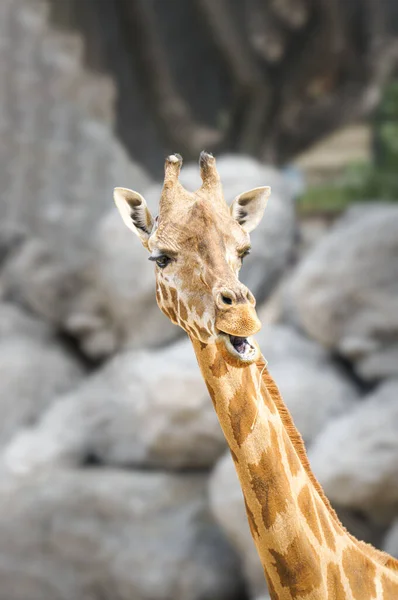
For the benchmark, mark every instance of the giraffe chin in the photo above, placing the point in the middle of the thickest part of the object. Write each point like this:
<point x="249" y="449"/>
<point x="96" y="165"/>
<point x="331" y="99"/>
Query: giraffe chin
<point x="242" y="350"/>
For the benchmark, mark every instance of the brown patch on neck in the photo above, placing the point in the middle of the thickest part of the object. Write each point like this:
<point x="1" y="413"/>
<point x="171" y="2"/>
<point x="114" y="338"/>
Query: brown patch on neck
<point x="390" y="588"/>
<point x="334" y="583"/>
<point x="252" y="521"/>
<point x="295" y="438"/>
<point x="307" y="508"/>
<point x="234" y="457"/>
<point x="298" y="568"/>
<point x="327" y="526"/>
<point x="242" y="408"/>
<point x="360" y="572"/>
<point x="269" y="482"/>
<point x="219" y="367"/>
<point x="212" y="394"/>
<point x="292" y="458"/>
<point x="271" y="589"/>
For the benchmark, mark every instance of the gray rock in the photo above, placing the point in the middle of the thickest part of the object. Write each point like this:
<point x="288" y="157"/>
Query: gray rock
<point x="142" y="408"/>
<point x="95" y="534"/>
<point x="345" y="293"/>
<point x="59" y="156"/>
<point x="391" y="540"/>
<point x="356" y="456"/>
<point x="34" y="278"/>
<point x="16" y="322"/>
<point x="226" y="504"/>
<point x="314" y="389"/>
<point x="116" y="305"/>
<point x="32" y="373"/>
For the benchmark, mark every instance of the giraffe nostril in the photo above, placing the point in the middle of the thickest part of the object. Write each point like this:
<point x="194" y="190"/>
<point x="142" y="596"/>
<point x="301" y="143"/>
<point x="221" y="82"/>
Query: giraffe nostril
<point x="226" y="300"/>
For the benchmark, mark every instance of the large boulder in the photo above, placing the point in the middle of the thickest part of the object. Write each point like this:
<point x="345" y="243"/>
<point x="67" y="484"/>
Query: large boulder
<point x="116" y="305"/>
<point x="314" y="388"/>
<point x="345" y="292"/>
<point x="142" y="408"/>
<point x="34" y="369"/>
<point x="59" y="154"/>
<point x="16" y="322"/>
<point x="356" y="456"/>
<point x="34" y="278"/>
<point x="95" y="534"/>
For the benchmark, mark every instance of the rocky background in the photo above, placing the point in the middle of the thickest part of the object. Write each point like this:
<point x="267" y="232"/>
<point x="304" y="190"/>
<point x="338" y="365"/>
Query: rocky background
<point x="115" y="480"/>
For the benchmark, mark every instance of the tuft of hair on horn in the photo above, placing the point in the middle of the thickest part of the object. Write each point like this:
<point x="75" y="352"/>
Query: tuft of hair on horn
<point x="208" y="170"/>
<point x="172" y="168"/>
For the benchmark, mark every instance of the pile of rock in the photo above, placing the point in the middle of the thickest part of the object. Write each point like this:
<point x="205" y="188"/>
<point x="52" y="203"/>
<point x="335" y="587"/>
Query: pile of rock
<point x="115" y="478"/>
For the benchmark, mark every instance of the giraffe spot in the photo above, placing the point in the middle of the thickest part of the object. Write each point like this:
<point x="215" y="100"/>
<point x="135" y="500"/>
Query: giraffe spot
<point x="212" y="395"/>
<point x="182" y="310"/>
<point x="270" y="483"/>
<point x="252" y="521"/>
<point x="292" y="458"/>
<point x="195" y="304"/>
<point x="158" y="297"/>
<point x="234" y="457"/>
<point x="219" y="367"/>
<point x="203" y="333"/>
<point x="327" y="525"/>
<point x="164" y="291"/>
<point x="193" y="334"/>
<point x="334" y="583"/>
<point x="271" y="589"/>
<point x="307" y="507"/>
<point x="242" y="408"/>
<point x="390" y="588"/>
<point x="360" y="572"/>
<point x="174" y="297"/>
<point x="298" y="568"/>
<point x="202" y="344"/>
<point x="172" y="315"/>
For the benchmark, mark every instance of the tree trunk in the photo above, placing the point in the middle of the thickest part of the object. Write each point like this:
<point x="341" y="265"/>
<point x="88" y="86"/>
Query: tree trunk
<point x="265" y="77"/>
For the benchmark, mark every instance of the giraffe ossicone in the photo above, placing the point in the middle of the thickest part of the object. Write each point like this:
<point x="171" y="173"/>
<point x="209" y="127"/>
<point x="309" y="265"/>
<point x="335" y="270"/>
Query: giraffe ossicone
<point x="197" y="243"/>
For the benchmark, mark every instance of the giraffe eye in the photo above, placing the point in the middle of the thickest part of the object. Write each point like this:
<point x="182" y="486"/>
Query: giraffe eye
<point x="161" y="261"/>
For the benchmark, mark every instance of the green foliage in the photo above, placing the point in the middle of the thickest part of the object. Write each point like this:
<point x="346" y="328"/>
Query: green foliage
<point x="361" y="182"/>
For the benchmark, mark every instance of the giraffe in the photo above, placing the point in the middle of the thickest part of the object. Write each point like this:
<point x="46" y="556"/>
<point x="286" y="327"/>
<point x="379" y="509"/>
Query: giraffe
<point x="198" y="243"/>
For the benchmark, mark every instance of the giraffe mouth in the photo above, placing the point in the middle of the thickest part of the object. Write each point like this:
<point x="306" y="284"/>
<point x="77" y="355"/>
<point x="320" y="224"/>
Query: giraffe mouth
<point x="240" y="347"/>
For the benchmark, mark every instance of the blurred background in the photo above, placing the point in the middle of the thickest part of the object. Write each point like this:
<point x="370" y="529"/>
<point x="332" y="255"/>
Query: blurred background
<point x="115" y="480"/>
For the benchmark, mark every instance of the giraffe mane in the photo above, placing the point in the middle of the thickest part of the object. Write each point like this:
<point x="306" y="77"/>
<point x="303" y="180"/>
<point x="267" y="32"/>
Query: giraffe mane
<point x="378" y="555"/>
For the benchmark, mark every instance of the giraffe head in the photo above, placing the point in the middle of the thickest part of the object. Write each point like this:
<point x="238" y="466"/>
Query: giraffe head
<point x="198" y="244"/>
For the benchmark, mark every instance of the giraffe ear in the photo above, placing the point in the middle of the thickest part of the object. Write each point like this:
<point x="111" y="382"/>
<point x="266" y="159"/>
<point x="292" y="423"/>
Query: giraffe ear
<point x="134" y="212"/>
<point x="248" y="208"/>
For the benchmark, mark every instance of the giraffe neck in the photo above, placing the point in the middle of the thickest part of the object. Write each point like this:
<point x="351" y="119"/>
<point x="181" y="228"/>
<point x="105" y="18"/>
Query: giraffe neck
<point x="301" y="543"/>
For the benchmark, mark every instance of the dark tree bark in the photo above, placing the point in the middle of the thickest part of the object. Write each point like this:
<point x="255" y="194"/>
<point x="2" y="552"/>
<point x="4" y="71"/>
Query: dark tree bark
<point x="265" y="77"/>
